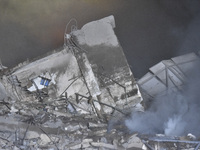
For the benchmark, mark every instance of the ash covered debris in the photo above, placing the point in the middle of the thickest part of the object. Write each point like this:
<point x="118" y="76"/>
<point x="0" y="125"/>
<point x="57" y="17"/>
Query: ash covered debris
<point x="91" y="64"/>
<point x="65" y="99"/>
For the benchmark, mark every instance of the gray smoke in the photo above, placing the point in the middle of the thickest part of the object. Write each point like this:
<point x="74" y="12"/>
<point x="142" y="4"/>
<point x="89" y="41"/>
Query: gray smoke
<point x="176" y="113"/>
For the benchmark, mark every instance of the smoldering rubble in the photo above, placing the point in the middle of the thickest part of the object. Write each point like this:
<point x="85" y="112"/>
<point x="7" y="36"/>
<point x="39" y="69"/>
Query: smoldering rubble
<point x="174" y="111"/>
<point x="81" y="97"/>
<point x="173" y="108"/>
<point x="64" y="100"/>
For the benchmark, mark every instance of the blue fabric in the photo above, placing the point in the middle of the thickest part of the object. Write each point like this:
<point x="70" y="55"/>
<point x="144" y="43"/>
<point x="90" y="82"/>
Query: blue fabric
<point x="46" y="83"/>
<point x="42" y="81"/>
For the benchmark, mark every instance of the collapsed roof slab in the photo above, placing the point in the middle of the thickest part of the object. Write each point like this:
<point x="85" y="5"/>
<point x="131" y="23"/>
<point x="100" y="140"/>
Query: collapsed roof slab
<point x="168" y="74"/>
<point x="185" y="62"/>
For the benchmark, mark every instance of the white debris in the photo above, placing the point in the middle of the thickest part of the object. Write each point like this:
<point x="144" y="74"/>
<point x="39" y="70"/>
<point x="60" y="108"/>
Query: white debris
<point x="72" y="128"/>
<point x="86" y="143"/>
<point x="32" y="135"/>
<point x="2" y="92"/>
<point x="13" y="109"/>
<point x="191" y="136"/>
<point x="44" y="139"/>
<point x="109" y="146"/>
<point x="94" y="125"/>
<point x="133" y="142"/>
<point x="98" y="32"/>
<point x="37" y="82"/>
<point x="76" y="146"/>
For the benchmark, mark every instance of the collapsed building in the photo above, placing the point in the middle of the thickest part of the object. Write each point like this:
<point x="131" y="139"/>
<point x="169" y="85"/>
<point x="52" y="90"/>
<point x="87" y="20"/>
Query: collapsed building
<point x="69" y="98"/>
<point x="75" y="89"/>
<point x="91" y="66"/>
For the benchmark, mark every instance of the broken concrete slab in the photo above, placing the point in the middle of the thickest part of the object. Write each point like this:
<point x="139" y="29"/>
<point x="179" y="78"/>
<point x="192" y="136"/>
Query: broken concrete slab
<point x="167" y="74"/>
<point x="105" y="145"/>
<point x="96" y="125"/>
<point x="72" y="128"/>
<point x="133" y="142"/>
<point x="44" y="139"/>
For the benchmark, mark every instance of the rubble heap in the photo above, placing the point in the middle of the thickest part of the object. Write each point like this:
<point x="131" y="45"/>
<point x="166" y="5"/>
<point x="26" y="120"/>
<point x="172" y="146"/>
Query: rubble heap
<point x="66" y="99"/>
<point x="36" y="125"/>
<point x="76" y="98"/>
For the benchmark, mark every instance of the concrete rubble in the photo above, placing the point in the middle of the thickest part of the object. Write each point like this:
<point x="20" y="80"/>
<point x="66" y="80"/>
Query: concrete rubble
<point x="76" y="98"/>
<point x="43" y="129"/>
<point x="67" y="99"/>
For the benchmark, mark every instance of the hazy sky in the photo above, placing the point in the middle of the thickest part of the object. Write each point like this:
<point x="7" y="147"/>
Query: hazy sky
<point x="148" y="30"/>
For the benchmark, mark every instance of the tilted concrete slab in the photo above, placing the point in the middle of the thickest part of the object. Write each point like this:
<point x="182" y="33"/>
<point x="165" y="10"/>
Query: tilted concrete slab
<point x="168" y="74"/>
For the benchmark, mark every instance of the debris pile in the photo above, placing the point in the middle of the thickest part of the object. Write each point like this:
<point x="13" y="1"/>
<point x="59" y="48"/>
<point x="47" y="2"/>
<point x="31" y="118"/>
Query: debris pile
<point x="66" y="99"/>
<point x="78" y="97"/>
<point x="46" y="125"/>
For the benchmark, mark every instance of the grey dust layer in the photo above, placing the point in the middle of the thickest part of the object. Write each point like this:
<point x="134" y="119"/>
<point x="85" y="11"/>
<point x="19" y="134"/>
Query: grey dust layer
<point x="77" y="97"/>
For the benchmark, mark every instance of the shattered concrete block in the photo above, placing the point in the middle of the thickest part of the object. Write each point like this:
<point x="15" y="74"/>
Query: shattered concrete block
<point x="82" y="126"/>
<point x="122" y="139"/>
<point x="97" y="105"/>
<point x="133" y="142"/>
<point x="86" y="143"/>
<point x="72" y="128"/>
<point x="34" y="111"/>
<point x="55" y="139"/>
<point x="78" y="132"/>
<point x="32" y="135"/>
<point x="57" y="113"/>
<point x="109" y="146"/>
<point x="87" y="140"/>
<point x="85" y="134"/>
<point x="75" y="147"/>
<point x="94" y="125"/>
<point x="100" y="132"/>
<point x="3" y="142"/>
<point x="191" y="136"/>
<point x="13" y="109"/>
<point x="103" y="139"/>
<point x="115" y="143"/>
<point x="113" y="131"/>
<point x="92" y="148"/>
<point x="32" y="143"/>
<point x="16" y="148"/>
<point x="44" y="139"/>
